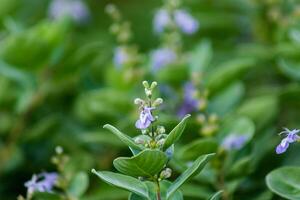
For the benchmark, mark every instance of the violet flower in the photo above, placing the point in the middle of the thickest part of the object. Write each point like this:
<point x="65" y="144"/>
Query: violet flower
<point x="75" y="9"/>
<point x="234" y="142"/>
<point x="190" y="103"/>
<point x="43" y="182"/>
<point x="161" y="20"/>
<point x="291" y="136"/>
<point x="162" y="57"/>
<point x="120" y="57"/>
<point x="186" y="22"/>
<point x="146" y="118"/>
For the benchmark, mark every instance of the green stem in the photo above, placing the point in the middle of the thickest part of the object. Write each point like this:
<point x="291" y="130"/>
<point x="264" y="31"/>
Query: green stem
<point x="158" y="197"/>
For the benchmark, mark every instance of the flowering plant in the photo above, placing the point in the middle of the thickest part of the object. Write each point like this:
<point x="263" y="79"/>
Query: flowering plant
<point x="145" y="174"/>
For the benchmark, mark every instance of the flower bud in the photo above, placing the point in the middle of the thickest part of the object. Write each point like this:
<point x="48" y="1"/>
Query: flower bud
<point x="160" y="142"/>
<point x="160" y="130"/>
<point x="158" y="102"/>
<point x="146" y="84"/>
<point x="153" y="85"/>
<point x="201" y="119"/>
<point x="148" y="92"/>
<point x="166" y="173"/>
<point x="59" y="150"/>
<point x="213" y="118"/>
<point x="138" y="101"/>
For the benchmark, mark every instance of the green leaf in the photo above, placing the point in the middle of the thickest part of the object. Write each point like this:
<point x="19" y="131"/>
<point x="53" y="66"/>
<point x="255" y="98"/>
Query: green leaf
<point x="122" y="181"/>
<point x="216" y="196"/>
<point x="193" y="170"/>
<point x="290" y="69"/>
<point x="45" y="196"/>
<point x="285" y="182"/>
<point x="79" y="184"/>
<point x="197" y="148"/>
<point x="201" y="56"/>
<point x="227" y="73"/>
<point x="123" y="137"/>
<point x="175" y="134"/>
<point x="147" y="163"/>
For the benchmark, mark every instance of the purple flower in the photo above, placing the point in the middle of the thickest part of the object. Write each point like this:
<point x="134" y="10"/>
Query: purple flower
<point x="162" y="57"/>
<point x="75" y="9"/>
<point x="234" y="141"/>
<point x="186" y="22"/>
<point x="291" y="136"/>
<point x="190" y="103"/>
<point x="161" y="20"/>
<point x="120" y="57"/>
<point x="43" y="182"/>
<point x="146" y="118"/>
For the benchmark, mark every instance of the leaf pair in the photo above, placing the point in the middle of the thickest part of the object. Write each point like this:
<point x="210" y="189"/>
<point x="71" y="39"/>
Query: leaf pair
<point x="142" y="190"/>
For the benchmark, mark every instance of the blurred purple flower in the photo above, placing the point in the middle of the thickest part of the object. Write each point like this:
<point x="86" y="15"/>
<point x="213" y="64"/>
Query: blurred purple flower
<point x="190" y="103"/>
<point x="43" y="182"/>
<point x="161" y="20"/>
<point x="162" y="57"/>
<point x="186" y="22"/>
<point x="234" y="142"/>
<point x="75" y="9"/>
<point x="145" y="119"/>
<point x="120" y="57"/>
<point x="291" y="136"/>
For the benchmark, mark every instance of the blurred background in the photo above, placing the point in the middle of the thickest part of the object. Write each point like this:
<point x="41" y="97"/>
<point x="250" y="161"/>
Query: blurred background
<point x="60" y="83"/>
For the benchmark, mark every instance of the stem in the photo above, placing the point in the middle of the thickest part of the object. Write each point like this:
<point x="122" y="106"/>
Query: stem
<point x="158" y="197"/>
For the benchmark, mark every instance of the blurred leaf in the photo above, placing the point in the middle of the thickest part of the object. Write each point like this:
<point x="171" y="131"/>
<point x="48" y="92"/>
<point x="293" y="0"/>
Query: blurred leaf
<point x="176" y="133"/>
<point x="125" y="182"/>
<point x="201" y="56"/>
<point x="146" y="164"/>
<point x="285" y="182"/>
<point x="78" y="185"/>
<point x="227" y="73"/>
<point x="46" y="196"/>
<point x="196" y="191"/>
<point x="226" y="100"/>
<point x="291" y="69"/>
<point x="193" y="170"/>
<point x="197" y="148"/>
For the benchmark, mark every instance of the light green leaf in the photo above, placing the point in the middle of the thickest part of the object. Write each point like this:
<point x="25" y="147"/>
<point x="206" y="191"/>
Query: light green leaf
<point x="193" y="170"/>
<point x="175" y="134"/>
<point x="122" y="181"/>
<point x="290" y="69"/>
<point x="201" y="56"/>
<point x="123" y="137"/>
<point x="197" y="148"/>
<point x="285" y="182"/>
<point x="217" y="195"/>
<point x="79" y="184"/>
<point x="147" y="163"/>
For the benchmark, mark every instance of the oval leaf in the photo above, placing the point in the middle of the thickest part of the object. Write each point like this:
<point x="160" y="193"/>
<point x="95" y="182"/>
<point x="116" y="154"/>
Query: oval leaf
<point x="175" y="134"/>
<point x="216" y="196"/>
<point x="285" y="182"/>
<point x="123" y="137"/>
<point x="197" y="166"/>
<point x="122" y="181"/>
<point x="147" y="163"/>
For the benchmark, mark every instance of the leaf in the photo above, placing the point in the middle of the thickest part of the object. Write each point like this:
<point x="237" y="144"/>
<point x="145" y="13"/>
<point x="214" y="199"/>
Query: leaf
<point x="216" y="196"/>
<point x="290" y="69"/>
<point x="201" y="56"/>
<point x="226" y="100"/>
<point x="227" y="73"/>
<point x="122" y="181"/>
<point x="79" y="184"/>
<point x="285" y="182"/>
<point x="124" y="138"/>
<point x="197" y="148"/>
<point x="147" y="163"/>
<point x="45" y="196"/>
<point x="197" y="166"/>
<point x="175" y="134"/>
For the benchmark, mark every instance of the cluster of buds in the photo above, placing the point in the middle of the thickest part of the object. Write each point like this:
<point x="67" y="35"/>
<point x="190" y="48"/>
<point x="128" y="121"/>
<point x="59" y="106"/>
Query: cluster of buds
<point x="209" y="124"/>
<point x="152" y="136"/>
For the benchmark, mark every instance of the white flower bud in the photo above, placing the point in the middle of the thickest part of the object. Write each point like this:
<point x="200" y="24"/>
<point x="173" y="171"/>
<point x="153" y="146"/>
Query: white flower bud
<point x="148" y="92"/>
<point x="158" y="102"/>
<point x="153" y="85"/>
<point x="160" y="130"/>
<point x="138" y="101"/>
<point x="146" y="84"/>
<point x="166" y="173"/>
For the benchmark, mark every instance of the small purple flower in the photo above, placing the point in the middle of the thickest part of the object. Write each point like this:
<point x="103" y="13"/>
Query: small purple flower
<point x="76" y="9"/>
<point x="146" y="118"/>
<point x="291" y="136"/>
<point x="186" y="22"/>
<point x="161" y="20"/>
<point x="120" y="57"/>
<point x="162" y="57"/>
<point x="190" y="103"/>
<point x="234" y="142"/>
<point x="43" y="182"/>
